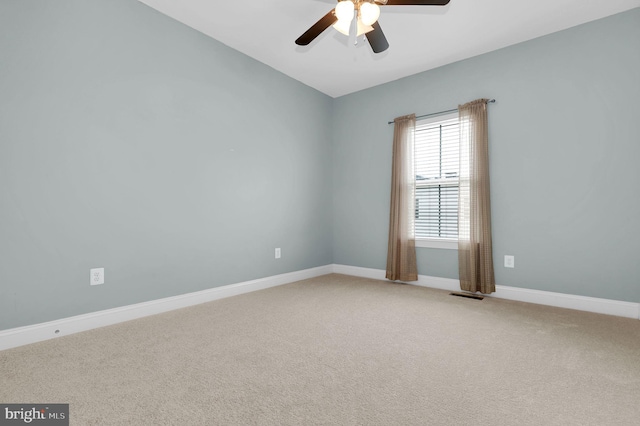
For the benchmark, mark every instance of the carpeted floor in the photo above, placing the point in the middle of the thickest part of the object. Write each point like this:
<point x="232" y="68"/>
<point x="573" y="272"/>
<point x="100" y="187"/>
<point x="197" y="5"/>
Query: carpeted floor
<point x="338" y="350"/>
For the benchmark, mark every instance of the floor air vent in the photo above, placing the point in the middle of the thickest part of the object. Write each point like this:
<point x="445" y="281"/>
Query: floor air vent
<point x="467" y="295"/>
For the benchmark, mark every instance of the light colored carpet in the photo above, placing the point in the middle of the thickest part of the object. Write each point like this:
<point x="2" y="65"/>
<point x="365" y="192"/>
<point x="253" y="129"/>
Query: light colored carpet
<point x="338" y="350"/>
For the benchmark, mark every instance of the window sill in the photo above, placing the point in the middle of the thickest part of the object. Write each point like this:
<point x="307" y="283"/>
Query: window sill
<point x="439" y="244"/>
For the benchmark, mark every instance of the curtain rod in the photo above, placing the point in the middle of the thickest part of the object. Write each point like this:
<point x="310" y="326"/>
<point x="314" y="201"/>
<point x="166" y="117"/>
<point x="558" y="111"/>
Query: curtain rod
<point x="490" y="101"/>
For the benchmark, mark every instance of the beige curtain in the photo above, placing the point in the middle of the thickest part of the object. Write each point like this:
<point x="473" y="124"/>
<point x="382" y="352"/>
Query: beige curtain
<point x="475" y="259"/>
<point x="401" y="253"/>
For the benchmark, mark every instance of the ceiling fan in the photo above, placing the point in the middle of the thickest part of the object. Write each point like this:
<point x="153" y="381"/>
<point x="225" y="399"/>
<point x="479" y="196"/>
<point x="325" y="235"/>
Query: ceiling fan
<point x="366" y="22"/>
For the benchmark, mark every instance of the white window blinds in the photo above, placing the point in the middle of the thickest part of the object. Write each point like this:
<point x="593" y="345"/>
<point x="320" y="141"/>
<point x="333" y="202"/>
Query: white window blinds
<point x="437" y="165"/>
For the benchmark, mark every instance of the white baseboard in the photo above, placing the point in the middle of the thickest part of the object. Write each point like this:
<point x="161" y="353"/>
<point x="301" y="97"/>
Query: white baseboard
<point x="49" y="330"/>
<point x="560" y="300"/>
<point x="44" y="331"/>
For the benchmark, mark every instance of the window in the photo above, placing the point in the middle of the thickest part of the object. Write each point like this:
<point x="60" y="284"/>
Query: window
<point x="437" y="165"/>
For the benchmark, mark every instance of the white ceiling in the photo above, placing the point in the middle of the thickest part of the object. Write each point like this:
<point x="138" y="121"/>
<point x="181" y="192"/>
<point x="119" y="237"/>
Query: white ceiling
<point x="420" y="37"/>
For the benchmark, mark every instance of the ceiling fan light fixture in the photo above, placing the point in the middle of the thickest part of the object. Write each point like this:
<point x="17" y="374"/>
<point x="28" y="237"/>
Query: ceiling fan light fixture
<point x="369" y="13"/>
<point x="344" y="11"/>
<point x="363" y="29"/>
<point x="342" y="27"/>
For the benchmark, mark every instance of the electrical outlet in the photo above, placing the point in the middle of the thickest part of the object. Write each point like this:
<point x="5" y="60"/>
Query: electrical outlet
<point x="509" y="261"/>
<point x="278" y="253"/>
<point x="96" y="276"/>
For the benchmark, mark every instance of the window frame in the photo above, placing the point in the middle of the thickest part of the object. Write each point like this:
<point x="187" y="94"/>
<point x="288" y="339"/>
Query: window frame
<point x="433" y="242"/>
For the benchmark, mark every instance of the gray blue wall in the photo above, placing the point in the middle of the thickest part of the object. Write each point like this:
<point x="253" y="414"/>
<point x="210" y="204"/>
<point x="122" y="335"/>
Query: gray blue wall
<point x="564" y="160"/>
<point x="131" y="142"/>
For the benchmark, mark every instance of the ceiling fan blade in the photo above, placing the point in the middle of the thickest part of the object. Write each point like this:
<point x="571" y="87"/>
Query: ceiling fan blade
<point x="416" y="3"/>
<point x="316" y="29"/>
<point x="377" y="40"/>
